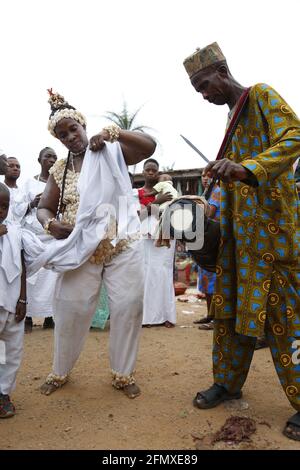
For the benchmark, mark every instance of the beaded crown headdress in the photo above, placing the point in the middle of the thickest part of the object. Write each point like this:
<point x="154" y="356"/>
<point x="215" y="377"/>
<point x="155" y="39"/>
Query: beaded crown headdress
<point x="61" y="109"/>
<point x="203" y="58"/>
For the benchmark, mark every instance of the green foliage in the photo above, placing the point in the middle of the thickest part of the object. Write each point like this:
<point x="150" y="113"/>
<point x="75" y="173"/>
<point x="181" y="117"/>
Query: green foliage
<point x="125" y="119"/>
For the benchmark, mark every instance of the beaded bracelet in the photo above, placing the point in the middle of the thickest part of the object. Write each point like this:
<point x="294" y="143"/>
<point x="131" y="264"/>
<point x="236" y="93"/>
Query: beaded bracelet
<point x="114" y="132"/>
<point x="47" y="224"/>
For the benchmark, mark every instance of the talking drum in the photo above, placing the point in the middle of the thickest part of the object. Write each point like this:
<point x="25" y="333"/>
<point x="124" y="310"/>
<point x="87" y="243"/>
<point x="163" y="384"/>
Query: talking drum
<point x="185" y="220"/>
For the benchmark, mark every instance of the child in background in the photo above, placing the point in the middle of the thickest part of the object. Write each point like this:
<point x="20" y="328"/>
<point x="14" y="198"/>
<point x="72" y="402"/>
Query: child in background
<point x="135" y="193"/>
<point x="12" y="304"/>
<point x="164" y="185"/>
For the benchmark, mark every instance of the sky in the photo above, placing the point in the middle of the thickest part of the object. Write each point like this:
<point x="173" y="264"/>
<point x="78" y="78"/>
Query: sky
<point x="97" y="53"/>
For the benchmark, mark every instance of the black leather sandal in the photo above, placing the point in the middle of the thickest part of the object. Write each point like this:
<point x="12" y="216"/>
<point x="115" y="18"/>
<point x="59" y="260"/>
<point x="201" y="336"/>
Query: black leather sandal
<point x="292" y="428"/>
<point x="212" y="397"/>
<point x="203" y="320"/>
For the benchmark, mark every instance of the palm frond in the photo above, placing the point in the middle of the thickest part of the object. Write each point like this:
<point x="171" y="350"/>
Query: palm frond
<point x="124" y="119"/>
<point x="140" y="128"/>
<point x="134" y="115"/>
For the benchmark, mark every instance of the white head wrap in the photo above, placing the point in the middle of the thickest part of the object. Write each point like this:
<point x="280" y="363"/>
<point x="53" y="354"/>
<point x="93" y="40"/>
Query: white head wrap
<point x="62" y="110"/>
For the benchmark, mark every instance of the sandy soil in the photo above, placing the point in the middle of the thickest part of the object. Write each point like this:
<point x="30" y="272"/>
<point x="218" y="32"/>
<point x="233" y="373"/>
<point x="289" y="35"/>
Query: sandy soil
<point x="173" y="365"/>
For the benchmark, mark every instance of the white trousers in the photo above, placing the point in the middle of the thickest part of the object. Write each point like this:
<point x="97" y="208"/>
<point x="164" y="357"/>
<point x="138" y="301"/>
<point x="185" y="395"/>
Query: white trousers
<point x="77" y="294"/>
<point x="11" y="347"/>
<point x="159" y="295"/>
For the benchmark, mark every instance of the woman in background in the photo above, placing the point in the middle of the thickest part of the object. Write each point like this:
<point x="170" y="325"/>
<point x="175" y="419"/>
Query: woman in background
<point x="206" y="279"/>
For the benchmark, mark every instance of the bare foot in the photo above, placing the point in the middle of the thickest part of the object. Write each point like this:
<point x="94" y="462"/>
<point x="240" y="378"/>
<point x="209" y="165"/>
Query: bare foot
<point x="131" y="390"/>
<point x="47" y="389"/>
<point x="168" y="324"/>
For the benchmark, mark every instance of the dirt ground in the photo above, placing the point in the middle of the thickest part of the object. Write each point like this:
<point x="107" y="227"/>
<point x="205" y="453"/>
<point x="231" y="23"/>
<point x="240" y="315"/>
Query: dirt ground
<point x="173" y="365"/>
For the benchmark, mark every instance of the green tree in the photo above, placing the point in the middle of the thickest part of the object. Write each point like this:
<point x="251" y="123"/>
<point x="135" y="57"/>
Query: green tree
<point x="125" y="119"/>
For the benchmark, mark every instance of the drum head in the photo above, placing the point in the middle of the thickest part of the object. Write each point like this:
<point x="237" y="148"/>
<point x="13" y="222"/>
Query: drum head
<point x="184" y="220"/>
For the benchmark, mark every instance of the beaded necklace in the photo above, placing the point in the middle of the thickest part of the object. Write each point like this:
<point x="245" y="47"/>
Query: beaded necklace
<point x="69" y="160"/>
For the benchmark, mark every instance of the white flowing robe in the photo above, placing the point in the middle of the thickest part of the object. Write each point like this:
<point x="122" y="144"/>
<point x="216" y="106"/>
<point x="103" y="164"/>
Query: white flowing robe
<point x="40" y="286"/>
<point x="17" y="206"/>
<point x="10" y="267"/>
<point x="159" y="295"/>
<point x="11" y="332"/>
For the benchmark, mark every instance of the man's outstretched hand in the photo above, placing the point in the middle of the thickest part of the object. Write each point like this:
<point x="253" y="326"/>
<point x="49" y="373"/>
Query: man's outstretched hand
<point x="226" y="170"/>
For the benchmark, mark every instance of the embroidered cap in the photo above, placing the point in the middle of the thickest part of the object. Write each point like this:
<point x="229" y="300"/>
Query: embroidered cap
<point x="203" y="58"/>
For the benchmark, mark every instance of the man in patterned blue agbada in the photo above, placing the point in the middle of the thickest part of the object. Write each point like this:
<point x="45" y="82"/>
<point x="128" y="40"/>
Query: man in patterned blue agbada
<point x="258" y="274"/>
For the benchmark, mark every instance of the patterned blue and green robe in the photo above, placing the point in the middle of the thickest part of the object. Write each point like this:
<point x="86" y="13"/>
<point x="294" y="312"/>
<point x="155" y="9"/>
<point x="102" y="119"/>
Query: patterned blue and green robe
<point x="258" y="265"/>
